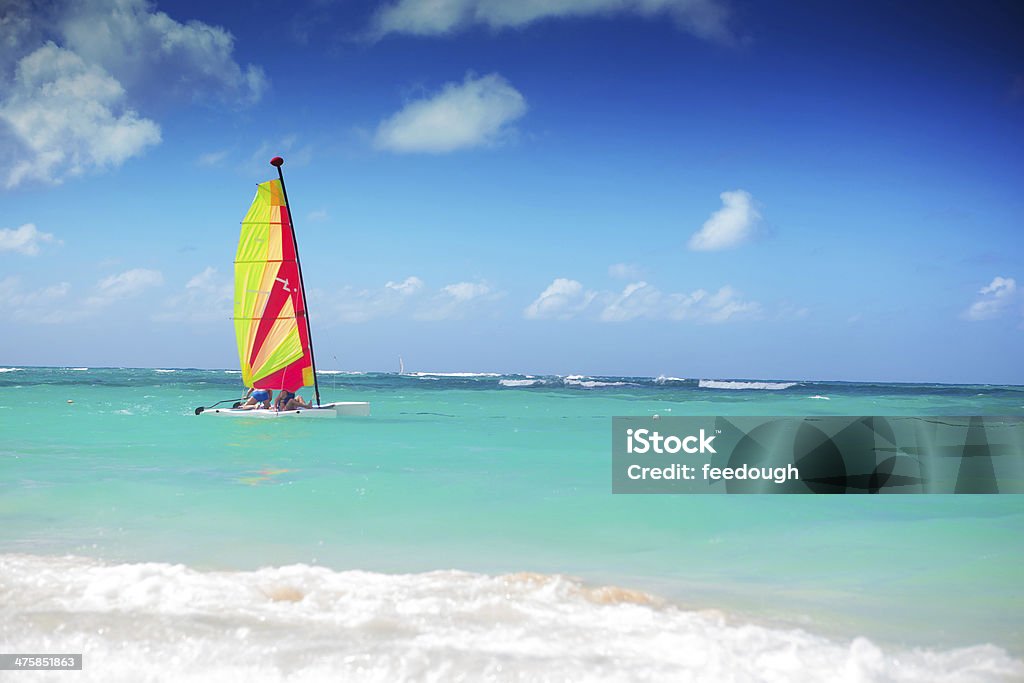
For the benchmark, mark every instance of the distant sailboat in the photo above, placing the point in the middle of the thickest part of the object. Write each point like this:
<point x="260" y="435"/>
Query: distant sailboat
<point x="275" y="347"/>
<point x="401" y="366"/>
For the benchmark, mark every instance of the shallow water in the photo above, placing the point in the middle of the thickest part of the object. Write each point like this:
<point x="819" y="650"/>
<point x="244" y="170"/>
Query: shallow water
<point x="487" y="475"/>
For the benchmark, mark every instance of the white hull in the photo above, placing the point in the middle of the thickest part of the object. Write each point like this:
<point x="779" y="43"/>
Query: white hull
<point x="339" y="409"/>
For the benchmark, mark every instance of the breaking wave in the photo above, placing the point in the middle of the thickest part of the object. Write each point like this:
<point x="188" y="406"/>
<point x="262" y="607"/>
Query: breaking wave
<point x="520" y="382"/>
<point x="311" y="623"/>
<point x="768" y="386"/>
<point x="587" y="383"/>
<point x="455" y="374"/>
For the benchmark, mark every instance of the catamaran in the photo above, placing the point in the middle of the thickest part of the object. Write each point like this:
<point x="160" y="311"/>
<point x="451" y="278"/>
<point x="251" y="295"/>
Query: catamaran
<point x="275" y="345"/>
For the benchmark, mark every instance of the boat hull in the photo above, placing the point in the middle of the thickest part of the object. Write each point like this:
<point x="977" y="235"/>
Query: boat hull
<point x="327" y="410"/>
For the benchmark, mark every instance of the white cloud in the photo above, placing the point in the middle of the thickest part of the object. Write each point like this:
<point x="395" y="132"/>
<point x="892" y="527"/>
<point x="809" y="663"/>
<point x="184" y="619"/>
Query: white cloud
<point x="995" y="298"/>
<point x="641" y="300"/>
<point x="723" y="305"/>
<point x="637" y="300"/>
<point x="562" y="299"/>
<point x="409" y="298"/>
<point x="50" y="305"/>
<point x="124" y="285"/>
<point x="142" y="47"/>
<point x="352" y="305"/>
<point x="624" y="271"/>
<point x="24" y="239"/>
<point x="71" y="106"/>
<point x="406" y="287"/>
<point x="565" y="299"/>
<point x="17" y="32"/>
<point x="207" y="296"/>
<point x="23" y="305"/>
<point x="318" y="216"/>
<point x="707" y="19"/>
<point x="69" y="117"/>
<point x="468" y="114"/>
<point x="730" y="226"/>
<point x="456" y="301"/>
<point x="466" y="291"/>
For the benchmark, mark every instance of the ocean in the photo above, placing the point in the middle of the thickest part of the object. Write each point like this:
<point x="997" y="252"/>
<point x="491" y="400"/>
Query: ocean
<point x="467" y="531"/>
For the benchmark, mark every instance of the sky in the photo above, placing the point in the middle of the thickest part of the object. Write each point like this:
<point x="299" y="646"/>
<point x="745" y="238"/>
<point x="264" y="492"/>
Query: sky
<point x="694" y="188"/>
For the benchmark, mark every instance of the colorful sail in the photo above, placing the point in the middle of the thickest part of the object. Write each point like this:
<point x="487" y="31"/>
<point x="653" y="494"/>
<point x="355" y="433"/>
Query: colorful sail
<point x="270" y="323"/>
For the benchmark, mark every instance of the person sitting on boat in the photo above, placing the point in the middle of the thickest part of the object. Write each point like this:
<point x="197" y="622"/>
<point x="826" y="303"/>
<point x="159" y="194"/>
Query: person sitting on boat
<point x="257" y="398"/>
<point x="289" y="400"/>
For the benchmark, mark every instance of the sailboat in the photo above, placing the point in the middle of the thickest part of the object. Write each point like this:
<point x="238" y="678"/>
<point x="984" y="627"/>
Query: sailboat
<point x="275" y="344"/>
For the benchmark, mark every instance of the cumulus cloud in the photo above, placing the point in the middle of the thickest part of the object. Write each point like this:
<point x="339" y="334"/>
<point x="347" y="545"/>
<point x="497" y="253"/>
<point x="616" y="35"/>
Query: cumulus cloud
<point x="641" y="300"/>
<point x="358" y="305"/>
<point x="207" y="296"/>
<point x="707" y="19"/>
<point x="995" y="298"/>
<point x="406" y="287"/>
<point x="141" y="46"/>
<point x="82" y="68"/>
<point x="562" y="299"/>
<point x="637" y="300"/>
<point x="732" y="225"/>
<point x="68" y="117"/>
<point x="409" y="298"/>
<point x="456" y="301"/>
<point x="24" y="239"/>
<point x="565" y="299"/>
<point x="466" y="291"/>
<point x="124" y="285"/>
<point x="30" y="305"/>
<point x="51" y="305"/>
<point x="476" y="112"/>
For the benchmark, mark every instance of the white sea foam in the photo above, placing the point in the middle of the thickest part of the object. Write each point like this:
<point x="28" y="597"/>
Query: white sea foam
<point x="164" y="370"/>
<point x="455" y="374"/>
<point x="769" y="386"/>
<point x="339" y="372"/>
<point x="823" y="398"/>
<point x="662" y="379"/>
<point x="590" y="383"/>
<point x="300" y="623"/>
<point x="520" y="382"/>
<point x="232" y="372"/>
<point x="78" y="369"/>
<point x="11" y="369"/>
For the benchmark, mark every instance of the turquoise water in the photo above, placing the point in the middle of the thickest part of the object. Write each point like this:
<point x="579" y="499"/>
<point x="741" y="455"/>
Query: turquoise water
<point x="500" y="474"/>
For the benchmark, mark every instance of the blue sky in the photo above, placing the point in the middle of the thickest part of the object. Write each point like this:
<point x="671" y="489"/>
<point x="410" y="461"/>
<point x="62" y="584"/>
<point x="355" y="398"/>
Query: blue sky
<point x="694" y="188"/>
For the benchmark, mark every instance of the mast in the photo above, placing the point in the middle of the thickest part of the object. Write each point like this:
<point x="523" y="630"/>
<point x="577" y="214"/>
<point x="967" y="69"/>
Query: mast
<point x="276" y="162"/>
